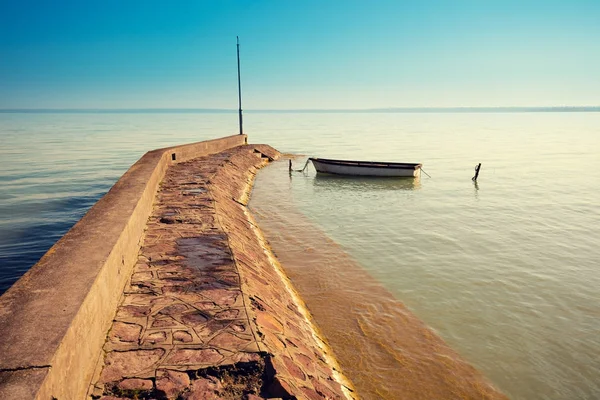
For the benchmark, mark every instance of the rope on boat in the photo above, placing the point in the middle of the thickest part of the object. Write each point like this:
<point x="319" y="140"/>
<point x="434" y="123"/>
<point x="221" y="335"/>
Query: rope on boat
<point x="425" y="172"/>
<point x="298" y="170"/>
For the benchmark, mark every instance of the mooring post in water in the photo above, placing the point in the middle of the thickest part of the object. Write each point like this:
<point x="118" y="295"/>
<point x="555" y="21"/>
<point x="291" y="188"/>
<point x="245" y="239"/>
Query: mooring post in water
<point x="477" y="168"/>
<point x="290" y="165"/>
<point x="239" y="85"/>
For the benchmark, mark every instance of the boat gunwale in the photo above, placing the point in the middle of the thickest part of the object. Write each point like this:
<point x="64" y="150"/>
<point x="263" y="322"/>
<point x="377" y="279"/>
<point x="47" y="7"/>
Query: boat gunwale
<point x="368" y="164"/>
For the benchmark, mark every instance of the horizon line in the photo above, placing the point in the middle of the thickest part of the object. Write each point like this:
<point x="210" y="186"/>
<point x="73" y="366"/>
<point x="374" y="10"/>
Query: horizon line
<point x="309" y="110"/>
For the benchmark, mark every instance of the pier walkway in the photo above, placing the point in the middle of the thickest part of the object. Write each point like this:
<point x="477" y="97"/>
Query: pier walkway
<point x="206" y="313"/>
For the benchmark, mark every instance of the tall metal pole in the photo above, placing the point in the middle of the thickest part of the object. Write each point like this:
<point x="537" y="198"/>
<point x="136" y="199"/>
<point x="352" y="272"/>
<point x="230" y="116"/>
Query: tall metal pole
<point x="239" y="85"/>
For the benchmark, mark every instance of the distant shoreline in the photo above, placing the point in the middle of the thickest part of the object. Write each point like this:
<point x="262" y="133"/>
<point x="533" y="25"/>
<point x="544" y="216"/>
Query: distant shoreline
<point x="407" y="110"/>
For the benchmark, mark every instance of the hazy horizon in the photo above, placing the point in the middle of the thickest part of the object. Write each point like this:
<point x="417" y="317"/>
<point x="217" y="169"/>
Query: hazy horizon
<point x="482" y="109"/>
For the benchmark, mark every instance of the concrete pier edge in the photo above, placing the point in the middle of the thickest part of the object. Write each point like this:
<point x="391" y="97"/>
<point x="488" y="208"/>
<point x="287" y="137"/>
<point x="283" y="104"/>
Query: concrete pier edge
<point x="54" y="320"/>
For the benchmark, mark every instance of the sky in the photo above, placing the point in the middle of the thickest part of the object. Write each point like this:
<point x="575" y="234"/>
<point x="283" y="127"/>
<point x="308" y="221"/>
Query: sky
<point x="299" y="54"/>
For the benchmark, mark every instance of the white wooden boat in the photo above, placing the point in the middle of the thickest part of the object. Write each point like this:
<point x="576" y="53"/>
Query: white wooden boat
<point x="365" y="168"/>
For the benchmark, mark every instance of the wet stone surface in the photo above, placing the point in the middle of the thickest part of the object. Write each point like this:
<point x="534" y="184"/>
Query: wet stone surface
<point x="205" y="315"/>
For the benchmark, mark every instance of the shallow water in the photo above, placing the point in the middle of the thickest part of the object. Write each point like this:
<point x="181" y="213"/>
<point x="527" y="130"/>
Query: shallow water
<point x="505" y="270"/>
<point x="383" y="348"/>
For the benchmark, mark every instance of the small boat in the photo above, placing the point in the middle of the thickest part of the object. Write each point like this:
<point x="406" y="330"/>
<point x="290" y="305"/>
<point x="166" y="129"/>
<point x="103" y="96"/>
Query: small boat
<point x="365" y="168"/>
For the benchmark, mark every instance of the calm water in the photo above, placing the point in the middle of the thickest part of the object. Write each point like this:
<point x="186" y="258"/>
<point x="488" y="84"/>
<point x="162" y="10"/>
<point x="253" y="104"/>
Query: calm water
<point x="505" y="271"/>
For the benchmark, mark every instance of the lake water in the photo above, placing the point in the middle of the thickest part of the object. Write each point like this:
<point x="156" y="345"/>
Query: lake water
<point x="505" y="270"/>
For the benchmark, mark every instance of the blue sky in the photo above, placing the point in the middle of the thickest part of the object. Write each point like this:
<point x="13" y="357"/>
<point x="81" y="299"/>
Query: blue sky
<point x="299" y="54"/>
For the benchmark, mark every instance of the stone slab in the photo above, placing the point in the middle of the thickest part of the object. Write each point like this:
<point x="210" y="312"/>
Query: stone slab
<point x="21" y="384"/>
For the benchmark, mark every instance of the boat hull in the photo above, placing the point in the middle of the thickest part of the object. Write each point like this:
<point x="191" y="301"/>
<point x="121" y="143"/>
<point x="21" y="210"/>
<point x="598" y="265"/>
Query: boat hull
<point x="365" y="168"/>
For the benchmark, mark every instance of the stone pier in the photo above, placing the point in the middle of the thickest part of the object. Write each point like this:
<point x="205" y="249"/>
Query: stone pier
<point x="166" y="290"/>
<point x="206" y="315"/>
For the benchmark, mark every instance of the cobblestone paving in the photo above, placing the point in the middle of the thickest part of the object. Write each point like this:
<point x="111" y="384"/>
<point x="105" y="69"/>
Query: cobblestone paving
<point x="205" y="315"/>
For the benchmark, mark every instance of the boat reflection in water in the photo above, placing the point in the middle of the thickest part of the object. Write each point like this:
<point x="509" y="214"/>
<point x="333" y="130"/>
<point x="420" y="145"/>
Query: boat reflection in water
<point x="366" y="183"/>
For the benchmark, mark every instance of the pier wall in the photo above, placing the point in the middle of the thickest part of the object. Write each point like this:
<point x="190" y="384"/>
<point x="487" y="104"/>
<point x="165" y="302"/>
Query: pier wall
<point x="53" y="321"/>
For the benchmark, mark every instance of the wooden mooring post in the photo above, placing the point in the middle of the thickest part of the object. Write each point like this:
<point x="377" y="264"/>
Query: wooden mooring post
<point x="477" y="168"/>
